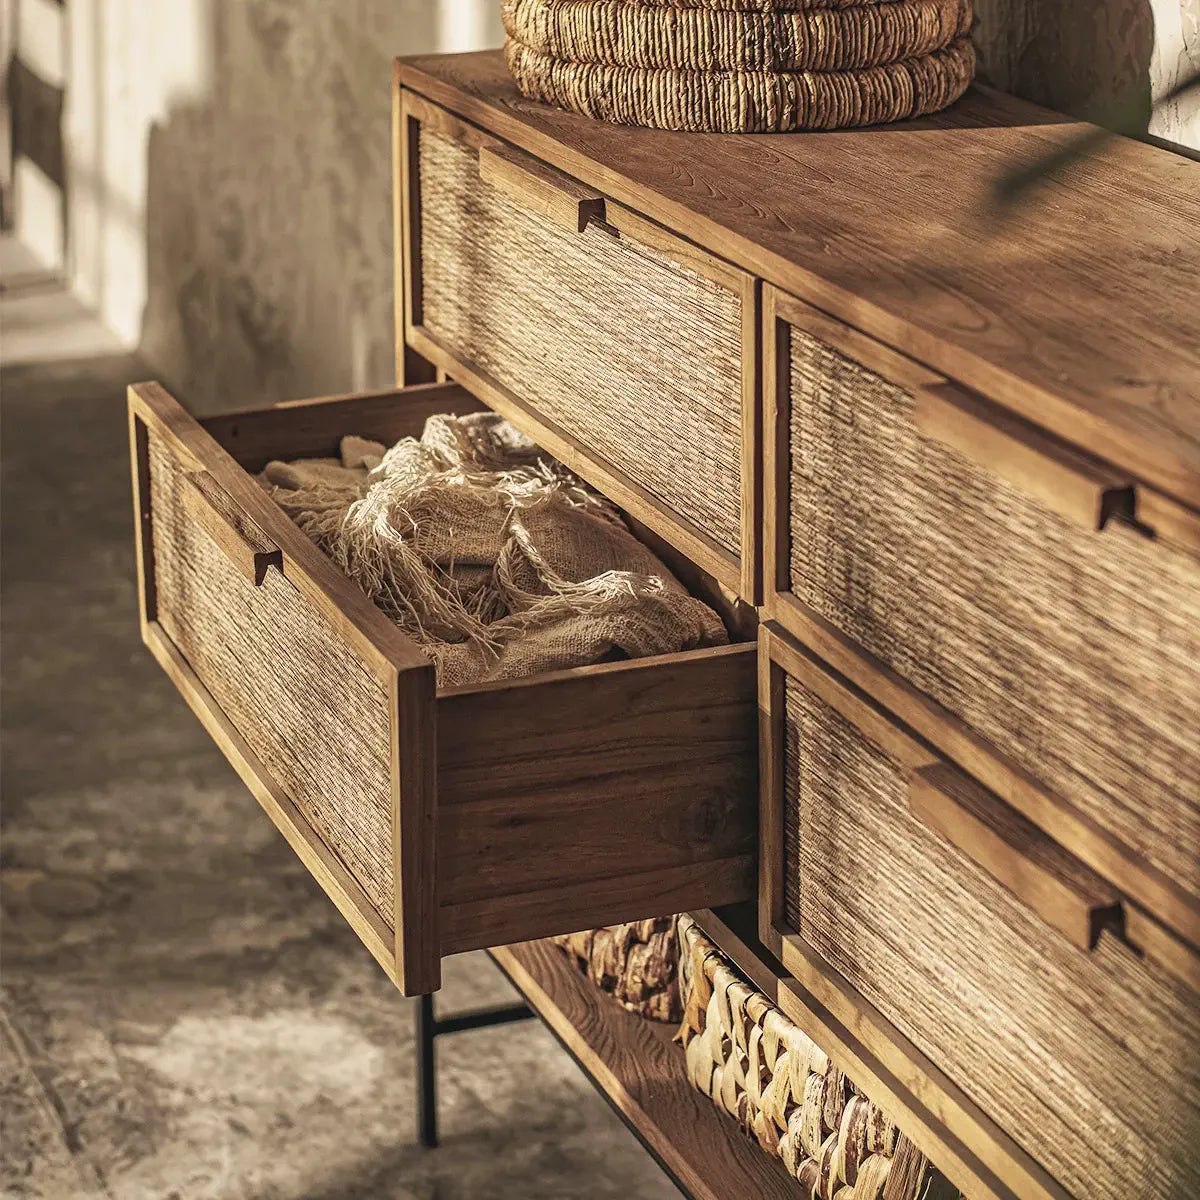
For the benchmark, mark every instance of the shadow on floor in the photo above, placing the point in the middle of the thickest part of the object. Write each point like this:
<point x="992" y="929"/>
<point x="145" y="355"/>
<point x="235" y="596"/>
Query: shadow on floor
<point x="185" y="1014"/>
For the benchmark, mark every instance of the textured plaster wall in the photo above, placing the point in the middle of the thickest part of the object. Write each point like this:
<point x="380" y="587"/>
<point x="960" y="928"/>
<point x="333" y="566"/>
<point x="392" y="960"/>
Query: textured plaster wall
<point x="230" y="182"/>
<point x="1080" y="56"/>
<point x="230" y="187"/>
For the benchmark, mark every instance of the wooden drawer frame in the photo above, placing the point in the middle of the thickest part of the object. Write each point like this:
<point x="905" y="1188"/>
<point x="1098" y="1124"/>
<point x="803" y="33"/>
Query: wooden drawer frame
<point x="963" y="1138"/>
<point x="697" y="761"/>
<point x="1163" y="909"/>
<point x="949" y="1126"/>
<point x="741" y="575"/>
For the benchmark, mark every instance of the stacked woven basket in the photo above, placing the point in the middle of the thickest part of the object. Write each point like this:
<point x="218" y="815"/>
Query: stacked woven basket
<point x="742" y="65"/>
<point x="786" y="1092"/>
<point x="635" y="963"/>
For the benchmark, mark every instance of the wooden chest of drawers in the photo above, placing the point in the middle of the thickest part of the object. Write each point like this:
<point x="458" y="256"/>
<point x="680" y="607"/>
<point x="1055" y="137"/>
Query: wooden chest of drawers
<point x="950" y="451"/>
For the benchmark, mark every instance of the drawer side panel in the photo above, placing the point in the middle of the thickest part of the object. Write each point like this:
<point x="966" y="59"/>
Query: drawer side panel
<point x="638" y="357"/>
<point x="1073" y="652"/>
<point x="1090" y="1061"/>
<point x="308" y="708"/>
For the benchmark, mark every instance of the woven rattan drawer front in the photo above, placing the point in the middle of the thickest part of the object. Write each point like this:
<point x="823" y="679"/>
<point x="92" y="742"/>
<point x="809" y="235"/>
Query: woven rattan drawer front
<point x="1090" y="1060"/>
<point x="1073" y="654"/>
<point x="626" y="342"/>
<point x="438" y="821"/>
<point x="306" y="704"/>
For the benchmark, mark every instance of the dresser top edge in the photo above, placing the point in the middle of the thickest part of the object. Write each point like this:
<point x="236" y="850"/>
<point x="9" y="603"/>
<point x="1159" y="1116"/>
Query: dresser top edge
<point x="1076" y="307"/>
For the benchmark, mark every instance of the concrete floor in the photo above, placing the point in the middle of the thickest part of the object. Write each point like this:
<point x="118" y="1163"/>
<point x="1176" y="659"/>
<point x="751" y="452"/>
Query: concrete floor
<point x="186" y="1017"/>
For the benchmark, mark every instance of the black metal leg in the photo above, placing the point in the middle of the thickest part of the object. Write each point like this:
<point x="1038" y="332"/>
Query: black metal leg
<point x="428" y="1029"/>
<point x="427" y="1133"/>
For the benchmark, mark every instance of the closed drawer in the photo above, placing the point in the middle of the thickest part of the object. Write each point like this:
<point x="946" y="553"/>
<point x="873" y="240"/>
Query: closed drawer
<point x="989" y="584"/>
<point x="991" y="950"/>
<point x="625" y="351"/>
<point x="438" y="821"/>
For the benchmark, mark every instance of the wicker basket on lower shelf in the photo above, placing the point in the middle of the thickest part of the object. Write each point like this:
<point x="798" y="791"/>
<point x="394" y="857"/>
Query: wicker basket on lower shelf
<point x="635" y="963"/>
<point x="786" y="1092"/>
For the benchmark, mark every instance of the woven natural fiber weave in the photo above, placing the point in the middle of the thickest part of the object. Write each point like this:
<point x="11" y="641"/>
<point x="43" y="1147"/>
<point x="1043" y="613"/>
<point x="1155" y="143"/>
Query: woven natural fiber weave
<point x="761" y="101"/>
<point x="636" y="963"/>
<point x="314" y="715"/>
<point x="1073" y="652"/>
<point x="760" y="5"/>
<point x="1091" y="1061"/>
<point x="786" y="1093"/>
<point x="620" y="33"/>
<point x="636" y="355"/>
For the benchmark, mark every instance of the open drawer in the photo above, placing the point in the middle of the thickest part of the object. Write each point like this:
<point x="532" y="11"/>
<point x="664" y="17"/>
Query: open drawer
<point x="437" y="820"/>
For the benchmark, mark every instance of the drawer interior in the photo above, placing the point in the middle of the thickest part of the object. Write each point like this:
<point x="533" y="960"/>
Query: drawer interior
<point x="438" y="820"/>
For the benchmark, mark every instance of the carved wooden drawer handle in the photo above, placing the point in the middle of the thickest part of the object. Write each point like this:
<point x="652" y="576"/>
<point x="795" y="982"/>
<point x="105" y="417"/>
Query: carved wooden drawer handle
<point x="1156" y="942"/>
<point x="242" y="540"/>
<point x="1063" y="891"/>
<point x="540" y="188"/>
<point x="1066" y="480"/>
<point x="1169" y="521"/>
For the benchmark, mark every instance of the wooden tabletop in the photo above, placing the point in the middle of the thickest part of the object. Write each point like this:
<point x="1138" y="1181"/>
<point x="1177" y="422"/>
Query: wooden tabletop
<point x="1078" y="307"/>
<point x="640" y="1070"/>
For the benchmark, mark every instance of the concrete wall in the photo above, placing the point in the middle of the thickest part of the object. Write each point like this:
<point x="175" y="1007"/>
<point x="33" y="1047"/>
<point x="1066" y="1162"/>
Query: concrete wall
<point x="33" y="74"/>
<point x="230" y="186"/>
<point x="1087" y="56"/>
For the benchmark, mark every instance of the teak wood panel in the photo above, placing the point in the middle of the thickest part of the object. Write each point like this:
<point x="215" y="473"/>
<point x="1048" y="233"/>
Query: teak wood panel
<point x="656" y="753"/>
<point x="313" y="428"/>
<point x="738" y="571"/>
<point x="1042" y="306"/>
<point x="520" y="809"/>
<point x="1094" y="838"/>
<point x="411" y="368"/>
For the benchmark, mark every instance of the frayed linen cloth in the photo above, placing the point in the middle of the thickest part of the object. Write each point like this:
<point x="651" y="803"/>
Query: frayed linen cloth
<point x="494" y="558"/>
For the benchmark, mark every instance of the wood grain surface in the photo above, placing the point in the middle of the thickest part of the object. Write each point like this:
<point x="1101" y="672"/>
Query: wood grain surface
<point x="244" y="543"/>
<point x="604" y="793"/>
<point x="643" y="1073"/>
<point x="314" y="428"/>
<point x="1076" y="309"/>
<point x="546" y="191"/>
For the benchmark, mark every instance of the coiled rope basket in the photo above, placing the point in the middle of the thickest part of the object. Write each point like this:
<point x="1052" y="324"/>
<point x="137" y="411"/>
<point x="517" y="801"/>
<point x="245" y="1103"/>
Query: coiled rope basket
<point x="748" y="66"/>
